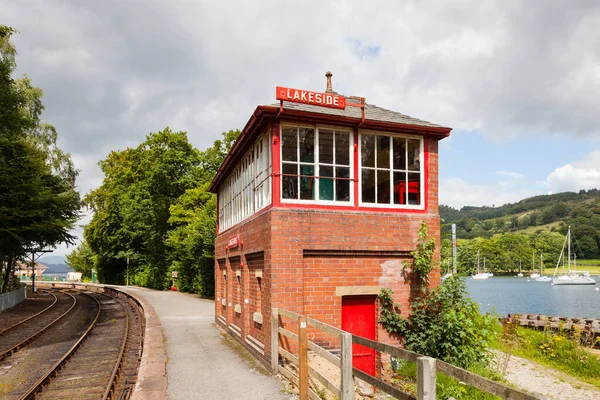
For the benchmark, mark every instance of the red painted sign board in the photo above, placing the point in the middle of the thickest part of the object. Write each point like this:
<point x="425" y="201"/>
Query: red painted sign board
<point x="314" y="98"/>
<point x="234" y="241"/>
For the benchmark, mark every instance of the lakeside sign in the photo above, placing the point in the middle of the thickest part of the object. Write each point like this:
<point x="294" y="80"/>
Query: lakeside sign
<point x="314" y="98"/>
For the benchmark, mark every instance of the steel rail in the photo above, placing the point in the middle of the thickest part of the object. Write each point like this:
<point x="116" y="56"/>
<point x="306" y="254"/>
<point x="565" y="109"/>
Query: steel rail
<point x="39" y="385"/>
<point x="110" y="388"/>
<point x="2" y="332"/>
<point x="19" y="346"/>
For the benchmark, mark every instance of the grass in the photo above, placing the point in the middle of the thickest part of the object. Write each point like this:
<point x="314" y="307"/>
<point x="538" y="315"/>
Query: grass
<point x="534" y="229"/>
<point x="405" y="376"/>
<point x="582" y="265"/>
<point x="559" y="350"/>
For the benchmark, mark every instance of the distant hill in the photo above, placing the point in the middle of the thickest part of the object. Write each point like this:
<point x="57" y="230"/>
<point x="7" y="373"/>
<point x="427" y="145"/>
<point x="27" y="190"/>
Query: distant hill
<point x="53" y="260"/>
<point x="57" y="268"/>
<point x="555" y="212"/>
<point x="55" y="264"/>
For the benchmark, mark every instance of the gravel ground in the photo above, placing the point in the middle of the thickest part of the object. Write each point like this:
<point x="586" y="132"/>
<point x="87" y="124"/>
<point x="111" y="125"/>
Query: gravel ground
<point x="550" y="384"/>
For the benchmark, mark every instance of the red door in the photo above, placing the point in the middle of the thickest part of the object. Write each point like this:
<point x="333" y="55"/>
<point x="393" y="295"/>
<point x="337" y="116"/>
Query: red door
<point x="358" y="318"/>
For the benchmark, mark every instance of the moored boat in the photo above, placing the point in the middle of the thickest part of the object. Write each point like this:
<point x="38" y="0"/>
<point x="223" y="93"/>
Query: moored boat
<point x="571" y="276"/>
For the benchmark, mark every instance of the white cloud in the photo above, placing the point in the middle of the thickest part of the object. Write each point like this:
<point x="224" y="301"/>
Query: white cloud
<point x="582" y="174"/>
<point x="509" y="174"/>
<point x="113" y="71"/>
<point x="457" y="193"/>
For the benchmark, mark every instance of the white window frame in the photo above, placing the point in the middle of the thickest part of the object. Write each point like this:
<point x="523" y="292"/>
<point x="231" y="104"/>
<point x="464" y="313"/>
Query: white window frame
<point x="350" y="202"/>
<point x="421" y="172"/>
<point x="238" y="195"/>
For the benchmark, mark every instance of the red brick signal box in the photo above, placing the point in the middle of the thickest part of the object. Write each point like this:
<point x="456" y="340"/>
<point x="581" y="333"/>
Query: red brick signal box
<point x="319" y="205"/>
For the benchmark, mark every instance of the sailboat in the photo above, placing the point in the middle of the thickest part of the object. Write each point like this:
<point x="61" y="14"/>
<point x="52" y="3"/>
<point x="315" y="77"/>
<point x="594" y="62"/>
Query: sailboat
<point x="542" y="278"/>
<point x="571" y="277"/>
<point x="520" y="274"/>
<point x="533" y="273"/>
<point x="480" y="275"/>
<point x="490" y="274"/>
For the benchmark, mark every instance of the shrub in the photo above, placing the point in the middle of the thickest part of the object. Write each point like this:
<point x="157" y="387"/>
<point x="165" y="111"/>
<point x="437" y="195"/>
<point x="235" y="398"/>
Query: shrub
<point x="443" y="323"/>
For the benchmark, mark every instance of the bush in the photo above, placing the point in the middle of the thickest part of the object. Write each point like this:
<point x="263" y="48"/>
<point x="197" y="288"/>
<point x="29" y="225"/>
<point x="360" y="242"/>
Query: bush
<point x="443" y="323"/>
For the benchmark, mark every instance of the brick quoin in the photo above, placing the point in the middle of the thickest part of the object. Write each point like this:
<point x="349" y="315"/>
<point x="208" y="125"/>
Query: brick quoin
<point x="297" y="257"/>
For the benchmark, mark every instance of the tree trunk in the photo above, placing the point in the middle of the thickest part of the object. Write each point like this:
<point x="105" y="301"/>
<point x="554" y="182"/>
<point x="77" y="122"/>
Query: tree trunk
<point x="7" y="284"/>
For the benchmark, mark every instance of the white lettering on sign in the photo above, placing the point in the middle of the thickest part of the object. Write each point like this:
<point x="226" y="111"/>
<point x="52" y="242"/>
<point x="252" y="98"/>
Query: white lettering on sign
<point x="234" y="241"/>
<point x="304" y="96"/>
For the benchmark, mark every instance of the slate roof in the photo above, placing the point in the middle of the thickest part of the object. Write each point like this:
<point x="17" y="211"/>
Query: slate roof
<point x="372" y="113"/>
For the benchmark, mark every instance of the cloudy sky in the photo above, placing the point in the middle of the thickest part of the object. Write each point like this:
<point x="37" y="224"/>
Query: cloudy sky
<point x="518" y="81"/>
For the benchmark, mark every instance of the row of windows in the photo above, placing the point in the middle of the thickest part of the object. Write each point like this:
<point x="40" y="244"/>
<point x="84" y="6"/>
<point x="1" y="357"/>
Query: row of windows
<point x="248" y="189"/>
<point x="317" y="167"/>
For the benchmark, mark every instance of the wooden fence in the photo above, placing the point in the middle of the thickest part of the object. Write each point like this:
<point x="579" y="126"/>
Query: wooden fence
<point x="427" y="367"/>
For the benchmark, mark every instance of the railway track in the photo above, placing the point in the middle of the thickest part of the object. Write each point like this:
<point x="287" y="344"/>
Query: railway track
<point x="20" y="334"/>
<point x="31" y="306"/>
<point x="97" y="355"/>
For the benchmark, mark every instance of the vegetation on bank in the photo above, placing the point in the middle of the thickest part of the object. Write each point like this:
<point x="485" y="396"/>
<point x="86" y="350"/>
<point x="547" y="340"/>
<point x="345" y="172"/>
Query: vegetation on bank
<point x="527" y="234"/>
<point x="562" y="349"/>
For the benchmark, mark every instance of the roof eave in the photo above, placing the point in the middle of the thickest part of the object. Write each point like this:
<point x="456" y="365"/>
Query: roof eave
<point x="259" y="113"/>
<point x="263" y="111"/>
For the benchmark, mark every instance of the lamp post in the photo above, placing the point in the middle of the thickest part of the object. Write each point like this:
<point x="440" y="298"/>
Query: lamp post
<point x="34" y="256"/>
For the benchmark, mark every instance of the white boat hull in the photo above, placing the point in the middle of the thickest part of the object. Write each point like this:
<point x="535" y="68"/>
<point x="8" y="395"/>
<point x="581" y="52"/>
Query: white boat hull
<point x="480" y="276"/>
<point x="573" y="280"/>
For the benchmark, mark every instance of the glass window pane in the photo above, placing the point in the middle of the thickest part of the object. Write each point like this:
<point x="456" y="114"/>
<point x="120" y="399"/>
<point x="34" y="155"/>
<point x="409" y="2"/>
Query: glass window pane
<point x="326" y="146"/>
<point x="383" y="151"/>
<point x="399" y="153"/>
<point x="342" y="148"/>
<point x="399" y="187"/>
<point x="289" y="144"/>
<point x="325" y="184"/>
<point x="383" y="187"/>
<point x="414" y="188"/>
<point x="307" y="145"/>
<point x="414" y="150"/>
<point x="368" y="186"/>
<point x="367" y="149"/>
<point x="307" y="182"/>
<point x="289" y="184"/>
<point x="342" y="186"/>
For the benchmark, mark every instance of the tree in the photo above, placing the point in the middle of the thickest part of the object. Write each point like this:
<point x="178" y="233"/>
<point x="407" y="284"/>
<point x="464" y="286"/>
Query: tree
<point x="131" y="207"/>
<point x="82" y="259"/>
<point x="38" y="200"/>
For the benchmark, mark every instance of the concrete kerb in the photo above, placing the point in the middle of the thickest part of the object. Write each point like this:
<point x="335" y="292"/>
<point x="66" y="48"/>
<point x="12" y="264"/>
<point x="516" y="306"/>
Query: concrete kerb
<point x="152" y="374"/>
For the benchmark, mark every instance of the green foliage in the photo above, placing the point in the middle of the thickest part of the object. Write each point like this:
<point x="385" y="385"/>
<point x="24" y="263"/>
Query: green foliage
<point x="38" y="201"/>
<point x="82" y="259"/>
<point x="536" y="215"/>
<point x="154" y="207"/>
<point x="443" y="323"/>
<point x="560" y="349"/>
<point x="405" y="378"/>
<point x="389" y="314"/>
<point x="422" y="262"/>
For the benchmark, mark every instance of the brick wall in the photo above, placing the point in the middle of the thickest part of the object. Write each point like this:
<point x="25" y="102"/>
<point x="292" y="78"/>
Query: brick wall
<point x="349" y="248"/>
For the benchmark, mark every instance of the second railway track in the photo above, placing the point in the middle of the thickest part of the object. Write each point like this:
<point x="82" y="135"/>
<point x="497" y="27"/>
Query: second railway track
<point x="100" y="361"/>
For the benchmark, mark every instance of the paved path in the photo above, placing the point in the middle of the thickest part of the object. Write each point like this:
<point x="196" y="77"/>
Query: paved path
<point x="201" y="365"/>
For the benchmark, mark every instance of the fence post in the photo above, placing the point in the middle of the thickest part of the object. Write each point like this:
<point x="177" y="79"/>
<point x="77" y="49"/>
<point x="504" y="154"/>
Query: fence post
<point x="347" y="381"/>
<point x="425" y="378"/>
<point x="303" y="357"/>
<point x="274" y="340"/>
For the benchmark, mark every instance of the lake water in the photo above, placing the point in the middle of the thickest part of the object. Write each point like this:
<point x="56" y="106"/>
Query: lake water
<point x="522" y="295"/>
